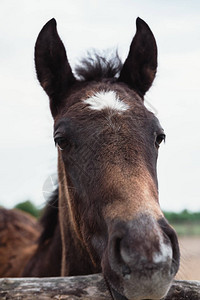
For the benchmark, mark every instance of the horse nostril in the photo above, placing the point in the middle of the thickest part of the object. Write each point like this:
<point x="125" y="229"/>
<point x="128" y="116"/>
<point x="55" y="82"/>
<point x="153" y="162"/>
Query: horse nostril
<point x="118" y="245"/>
<point x="116" y="256"/>
<point x="115" y="249"/>
<point x="170" y="234"/>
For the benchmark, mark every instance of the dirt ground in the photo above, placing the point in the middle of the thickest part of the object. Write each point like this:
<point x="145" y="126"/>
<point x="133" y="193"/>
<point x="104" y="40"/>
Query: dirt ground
<point x="190" y="258"/>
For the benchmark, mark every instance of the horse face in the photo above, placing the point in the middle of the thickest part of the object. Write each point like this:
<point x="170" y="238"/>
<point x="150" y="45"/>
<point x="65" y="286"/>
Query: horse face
<point x="109" y="157"/>
<point x="108" y="145"/>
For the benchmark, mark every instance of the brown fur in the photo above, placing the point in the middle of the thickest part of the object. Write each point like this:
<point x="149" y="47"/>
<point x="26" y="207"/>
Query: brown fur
<point x="19" y="233"/>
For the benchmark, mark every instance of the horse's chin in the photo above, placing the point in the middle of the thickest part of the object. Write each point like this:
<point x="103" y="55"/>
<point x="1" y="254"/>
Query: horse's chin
<point x="140" y="289"/>
<point x="118" y="296"/>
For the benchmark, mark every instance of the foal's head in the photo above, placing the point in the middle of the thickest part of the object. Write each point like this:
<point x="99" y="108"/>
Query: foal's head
<point x="108" y="146"/>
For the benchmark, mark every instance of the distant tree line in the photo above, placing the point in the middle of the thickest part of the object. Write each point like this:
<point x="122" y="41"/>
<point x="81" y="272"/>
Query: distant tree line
<point x="183" y="216"/>
<point x="30" y="208"/>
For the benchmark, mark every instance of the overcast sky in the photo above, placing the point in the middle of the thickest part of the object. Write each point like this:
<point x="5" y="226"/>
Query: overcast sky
<point x="27" y="152"/>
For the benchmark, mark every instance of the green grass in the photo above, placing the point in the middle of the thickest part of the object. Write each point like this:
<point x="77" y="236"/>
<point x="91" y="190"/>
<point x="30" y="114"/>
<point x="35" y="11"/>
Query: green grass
<point x="187" y="228"/>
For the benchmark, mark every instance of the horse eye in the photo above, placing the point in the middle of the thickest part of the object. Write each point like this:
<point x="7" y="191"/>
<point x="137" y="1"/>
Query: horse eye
<point x="61" y="143"/>
<point x="159" y="139"/>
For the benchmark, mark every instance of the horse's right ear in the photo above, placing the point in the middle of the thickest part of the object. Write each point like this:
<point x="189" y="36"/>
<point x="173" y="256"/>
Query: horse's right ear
<point x="140" y="67"/>
<point x="53" y="70"/>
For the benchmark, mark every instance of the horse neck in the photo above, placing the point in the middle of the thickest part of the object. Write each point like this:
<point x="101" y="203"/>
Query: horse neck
<point x="76" y="259"/>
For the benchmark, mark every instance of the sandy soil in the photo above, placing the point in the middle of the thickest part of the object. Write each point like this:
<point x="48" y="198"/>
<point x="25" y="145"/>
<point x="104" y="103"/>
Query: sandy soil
<point x="190" y="258"/>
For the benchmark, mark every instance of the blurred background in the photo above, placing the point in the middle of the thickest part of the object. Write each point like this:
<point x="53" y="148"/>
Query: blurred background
<point x="27" y="152"/>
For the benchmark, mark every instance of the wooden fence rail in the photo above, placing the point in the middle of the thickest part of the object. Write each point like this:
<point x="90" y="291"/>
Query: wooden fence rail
<point x="90" y="287"/>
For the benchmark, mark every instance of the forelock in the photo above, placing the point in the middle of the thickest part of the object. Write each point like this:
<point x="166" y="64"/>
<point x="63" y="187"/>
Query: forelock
<point x="98" y="66"/>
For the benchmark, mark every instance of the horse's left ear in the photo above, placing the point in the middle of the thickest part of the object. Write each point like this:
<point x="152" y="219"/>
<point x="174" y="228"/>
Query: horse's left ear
<point x="140" y="67"/>
<point x="53" y="70"/>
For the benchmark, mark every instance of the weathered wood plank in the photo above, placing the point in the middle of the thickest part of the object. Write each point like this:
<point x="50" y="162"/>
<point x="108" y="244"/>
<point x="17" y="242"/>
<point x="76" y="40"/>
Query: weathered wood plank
<point x="79" y="287"/>
<point x="182" y="290"/>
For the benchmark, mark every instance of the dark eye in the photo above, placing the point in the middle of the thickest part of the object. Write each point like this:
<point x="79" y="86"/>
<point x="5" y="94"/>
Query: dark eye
<point x="60" y="142"/>
<point x="159" y="139"/>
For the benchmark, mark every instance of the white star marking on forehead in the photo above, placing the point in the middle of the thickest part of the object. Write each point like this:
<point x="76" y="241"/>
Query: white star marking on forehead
<point x="109" y="99"/>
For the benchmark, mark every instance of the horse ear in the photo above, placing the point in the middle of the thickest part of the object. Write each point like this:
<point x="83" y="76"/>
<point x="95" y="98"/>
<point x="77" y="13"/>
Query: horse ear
<point x="53" y="70"/>
<point x="140" y="66"/>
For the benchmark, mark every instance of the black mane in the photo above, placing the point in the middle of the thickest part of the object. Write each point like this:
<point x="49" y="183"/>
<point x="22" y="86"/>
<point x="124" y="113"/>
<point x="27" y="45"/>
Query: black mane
<point x="49" y="218"/>
<point x="98" y="66"/>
